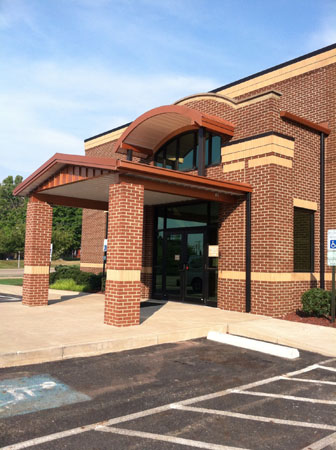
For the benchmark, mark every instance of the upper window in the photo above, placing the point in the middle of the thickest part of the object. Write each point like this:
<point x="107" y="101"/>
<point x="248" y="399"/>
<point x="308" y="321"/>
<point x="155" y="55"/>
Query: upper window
<point x="181" y="153"/>
<point x="303" y="240"/>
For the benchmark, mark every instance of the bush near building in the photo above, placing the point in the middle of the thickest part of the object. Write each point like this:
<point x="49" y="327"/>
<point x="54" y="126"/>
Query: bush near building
<point x="316" y="302"/>
<point x="89" y="281"/>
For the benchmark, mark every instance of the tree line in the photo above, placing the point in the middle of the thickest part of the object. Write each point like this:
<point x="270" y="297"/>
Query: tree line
<point x="66" y="227"/>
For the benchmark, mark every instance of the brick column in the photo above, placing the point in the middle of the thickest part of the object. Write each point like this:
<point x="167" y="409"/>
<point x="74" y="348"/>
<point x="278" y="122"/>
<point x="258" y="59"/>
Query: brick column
<point x="124" y="255"/>
<point x="37" y="253"/>
<point x="231" y="263"/>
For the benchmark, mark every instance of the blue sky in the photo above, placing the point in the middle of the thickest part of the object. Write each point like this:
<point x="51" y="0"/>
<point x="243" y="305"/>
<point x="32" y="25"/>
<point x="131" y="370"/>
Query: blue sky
<point x="71" y="69"/>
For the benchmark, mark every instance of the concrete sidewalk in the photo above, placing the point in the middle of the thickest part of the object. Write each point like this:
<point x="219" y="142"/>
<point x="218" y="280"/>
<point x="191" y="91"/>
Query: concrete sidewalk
<point x="72" y="326"/>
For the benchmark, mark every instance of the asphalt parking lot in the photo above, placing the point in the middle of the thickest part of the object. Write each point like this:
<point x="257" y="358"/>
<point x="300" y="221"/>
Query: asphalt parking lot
<point x="195" y="394"/>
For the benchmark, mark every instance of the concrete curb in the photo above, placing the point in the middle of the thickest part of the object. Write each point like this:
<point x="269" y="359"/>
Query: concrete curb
<point x="255" y="345"/>
<point x="42" y="355"/>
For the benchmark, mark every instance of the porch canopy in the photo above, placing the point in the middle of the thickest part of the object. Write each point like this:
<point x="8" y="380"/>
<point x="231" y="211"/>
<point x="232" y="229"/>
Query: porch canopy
<point x="152" y="129"/>
<point x="83" y="181"/>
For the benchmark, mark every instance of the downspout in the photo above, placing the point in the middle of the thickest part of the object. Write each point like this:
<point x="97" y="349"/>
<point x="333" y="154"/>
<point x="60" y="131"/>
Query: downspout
<point x="248" y="254"/>
<point x="322" y="221"/>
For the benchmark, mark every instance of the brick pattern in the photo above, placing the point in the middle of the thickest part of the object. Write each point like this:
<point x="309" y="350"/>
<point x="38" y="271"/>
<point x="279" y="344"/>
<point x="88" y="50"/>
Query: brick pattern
<point x="37" y="252"/>
<point x="125" y="228"/>
<point x="147" y="252"/>
<point x="94" y="227"/>
<point x="311" y="95"/>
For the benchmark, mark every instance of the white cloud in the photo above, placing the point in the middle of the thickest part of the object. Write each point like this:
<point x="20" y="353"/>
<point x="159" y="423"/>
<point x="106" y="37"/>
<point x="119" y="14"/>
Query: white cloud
<point x="325" y="34"/>
<point x="50" y="106"/>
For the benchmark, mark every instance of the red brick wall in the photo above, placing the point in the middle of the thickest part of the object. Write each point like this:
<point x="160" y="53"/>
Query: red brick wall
<point x="313" y="96"/>
<point x="37" y="252"/>
<point x="93" y="235"/>
<point x="125" y="229"/>
<point x="147" y="252"/>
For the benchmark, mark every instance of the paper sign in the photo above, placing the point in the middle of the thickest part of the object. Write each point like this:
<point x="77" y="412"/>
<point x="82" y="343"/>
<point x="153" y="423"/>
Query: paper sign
<point x="213" y="251"/>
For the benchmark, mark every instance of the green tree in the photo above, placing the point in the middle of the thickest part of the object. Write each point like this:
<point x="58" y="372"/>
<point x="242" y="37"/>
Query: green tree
<point x="12" y="217"/>
<point x="66" y="230"/>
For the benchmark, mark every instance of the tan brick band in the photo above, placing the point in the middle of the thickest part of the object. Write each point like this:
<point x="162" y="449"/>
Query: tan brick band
<point x="147" y="269"/>
<point x="93" y="265"/>
<point x="123" y="275"/>
<point x="304" y="204"/>
<point x="264" y="161"/>
<point x="234" y="166"/>
<point x="273" y="276"/>
<point x="275" y="76"/>
<point x="229" y="101"/>
<point x="36" y="270"/>
<point x="114" y="135"/>
<point x="257" y="147"/>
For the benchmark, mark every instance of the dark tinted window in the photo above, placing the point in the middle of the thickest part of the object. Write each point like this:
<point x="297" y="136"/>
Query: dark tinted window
<point x="303" y="240"/>
<point x="182" y="152"/>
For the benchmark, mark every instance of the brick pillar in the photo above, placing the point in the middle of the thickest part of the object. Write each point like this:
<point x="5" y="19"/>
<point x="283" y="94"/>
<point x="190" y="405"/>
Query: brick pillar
<point x="231" y="242"/>
<point x="124" y="255"/>
<point x="147" y="253"/>
<point x="37" y="253"/>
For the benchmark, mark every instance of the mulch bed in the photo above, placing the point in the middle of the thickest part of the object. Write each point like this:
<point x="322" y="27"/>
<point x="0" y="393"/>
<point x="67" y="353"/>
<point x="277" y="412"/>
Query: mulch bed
<point x="299" y="316"/>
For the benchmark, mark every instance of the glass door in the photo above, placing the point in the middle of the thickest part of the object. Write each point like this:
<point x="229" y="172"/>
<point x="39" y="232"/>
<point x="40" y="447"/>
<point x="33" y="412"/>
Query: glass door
<point x="194" y="268"/>
<point x="174" y="265"/>
<point x="184" y="266"/>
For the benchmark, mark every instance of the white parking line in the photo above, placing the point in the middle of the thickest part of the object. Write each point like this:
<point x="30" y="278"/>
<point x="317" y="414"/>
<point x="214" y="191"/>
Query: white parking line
<point x="167" y="438"/>
<point x="322" y="443"/>
<point x="306" y="380"/>
<point x="178" y="405"/>
<point x="285" y="397"/>
<point x="331" y="369"/>
<point x="219" y="412"/>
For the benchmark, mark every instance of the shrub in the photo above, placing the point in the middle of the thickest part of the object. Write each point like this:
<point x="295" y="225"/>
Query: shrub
<point x="316" y="302"/>
<point x="67" y="284"/>
<point x="90" y="281"/>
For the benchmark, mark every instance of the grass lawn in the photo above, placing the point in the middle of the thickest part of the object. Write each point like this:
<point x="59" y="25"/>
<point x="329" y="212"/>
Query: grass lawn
<point x="13" y="264"/>
<point x="68" y="285"/>
<point x="12" y="281"/>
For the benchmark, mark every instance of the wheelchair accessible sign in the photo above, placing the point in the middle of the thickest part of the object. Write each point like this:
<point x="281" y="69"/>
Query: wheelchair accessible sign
<point x="331" y="247"/>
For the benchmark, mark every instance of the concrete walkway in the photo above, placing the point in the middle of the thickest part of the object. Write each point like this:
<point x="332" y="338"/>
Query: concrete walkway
<point x="72" y="326"/>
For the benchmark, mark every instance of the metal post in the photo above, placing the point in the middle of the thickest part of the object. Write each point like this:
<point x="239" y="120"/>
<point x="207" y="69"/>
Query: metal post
<point x="129" y="155"/>
<point x="105" y="253"/>
<point x="201" y="152"/>
<point x="19" y="260"/>
<point x="333" y="296"/>
<point x="248" y="253"/>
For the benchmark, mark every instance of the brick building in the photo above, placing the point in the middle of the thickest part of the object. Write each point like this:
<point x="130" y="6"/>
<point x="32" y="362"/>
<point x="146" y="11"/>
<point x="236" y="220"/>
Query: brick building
<point x="224" y="197"/>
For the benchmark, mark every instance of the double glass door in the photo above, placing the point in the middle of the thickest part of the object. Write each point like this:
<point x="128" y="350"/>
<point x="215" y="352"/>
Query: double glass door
<point x="185" y="265"/>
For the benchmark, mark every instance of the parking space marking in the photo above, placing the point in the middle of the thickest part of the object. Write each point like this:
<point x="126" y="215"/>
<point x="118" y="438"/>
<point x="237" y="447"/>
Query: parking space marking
<point x="183" y="406"/>
<point x="285" y="397"/>
<point x="220" y="412"/>
<point x="331" y="369"/>
<point x="167" y="438"/>
<point x="306" y="380"/>
<point x="322" y="443"/>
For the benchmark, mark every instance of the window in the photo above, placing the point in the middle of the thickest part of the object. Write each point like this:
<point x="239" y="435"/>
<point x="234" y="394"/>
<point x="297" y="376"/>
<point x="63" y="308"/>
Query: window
<point x="303" y="240"/>
<point x="181" y="152"/>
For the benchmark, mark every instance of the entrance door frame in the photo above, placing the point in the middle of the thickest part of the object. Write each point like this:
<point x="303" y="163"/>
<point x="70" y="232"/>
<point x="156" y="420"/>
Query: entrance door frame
<point x="184" y="232"/>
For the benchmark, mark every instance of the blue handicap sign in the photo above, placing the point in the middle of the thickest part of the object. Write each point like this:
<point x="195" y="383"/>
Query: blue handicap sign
<point x="30" y="394"/>
<point x="332" y="244"/>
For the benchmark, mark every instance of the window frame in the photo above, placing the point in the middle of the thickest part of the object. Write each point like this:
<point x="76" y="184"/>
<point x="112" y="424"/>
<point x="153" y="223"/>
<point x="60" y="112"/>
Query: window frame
<point x="162" y="150"/>
<point x="312" y="239"/>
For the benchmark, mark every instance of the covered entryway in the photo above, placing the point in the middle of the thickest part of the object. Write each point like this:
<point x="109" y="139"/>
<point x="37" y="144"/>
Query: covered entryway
<point x="123" y="188"/>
